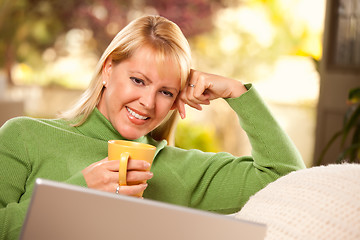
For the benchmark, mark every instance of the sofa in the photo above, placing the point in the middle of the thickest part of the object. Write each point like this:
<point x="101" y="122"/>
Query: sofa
<point x="315" y="203"/>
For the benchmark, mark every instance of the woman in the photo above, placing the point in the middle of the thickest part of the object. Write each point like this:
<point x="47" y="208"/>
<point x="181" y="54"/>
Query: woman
<point x="142" y="80"/>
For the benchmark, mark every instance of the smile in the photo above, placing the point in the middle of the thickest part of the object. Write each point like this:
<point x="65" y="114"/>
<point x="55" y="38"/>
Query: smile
<point x="134" y="114"/>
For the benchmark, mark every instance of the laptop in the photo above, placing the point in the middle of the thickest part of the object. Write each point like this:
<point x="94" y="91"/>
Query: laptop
<point x="63" y="211"/>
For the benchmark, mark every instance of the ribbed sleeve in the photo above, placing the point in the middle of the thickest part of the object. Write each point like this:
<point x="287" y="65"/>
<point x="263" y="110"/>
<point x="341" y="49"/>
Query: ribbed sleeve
<point x="222" y="182"/>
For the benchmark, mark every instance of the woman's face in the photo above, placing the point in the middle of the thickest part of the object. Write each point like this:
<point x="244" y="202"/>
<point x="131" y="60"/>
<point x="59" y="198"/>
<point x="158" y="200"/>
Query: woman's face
<point x="138" y="93"/>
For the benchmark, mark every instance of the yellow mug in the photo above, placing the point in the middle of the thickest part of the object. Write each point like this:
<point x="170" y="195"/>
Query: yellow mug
<point x="124" y="150"/>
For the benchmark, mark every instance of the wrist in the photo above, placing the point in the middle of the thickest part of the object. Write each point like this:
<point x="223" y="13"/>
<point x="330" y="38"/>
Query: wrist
<point x="238" y="89"/>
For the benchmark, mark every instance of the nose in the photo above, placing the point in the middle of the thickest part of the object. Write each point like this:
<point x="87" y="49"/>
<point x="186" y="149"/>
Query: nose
<point x="148" y="99"/>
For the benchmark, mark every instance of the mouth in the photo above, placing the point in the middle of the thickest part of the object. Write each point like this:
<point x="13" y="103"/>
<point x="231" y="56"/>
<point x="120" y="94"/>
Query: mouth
<point x="136" y="115"/>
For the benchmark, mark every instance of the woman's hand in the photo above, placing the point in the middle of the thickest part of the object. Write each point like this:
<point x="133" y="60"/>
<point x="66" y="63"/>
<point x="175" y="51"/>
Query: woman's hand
<point x="202" y="87"/>
<point x="104" y="175"/>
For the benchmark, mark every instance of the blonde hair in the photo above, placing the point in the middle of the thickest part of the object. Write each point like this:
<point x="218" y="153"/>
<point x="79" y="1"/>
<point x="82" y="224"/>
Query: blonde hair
<point x="165" y="38"/>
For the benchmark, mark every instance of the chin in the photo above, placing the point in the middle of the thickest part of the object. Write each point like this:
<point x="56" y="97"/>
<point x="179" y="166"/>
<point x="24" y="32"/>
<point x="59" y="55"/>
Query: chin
<point x="131" y="134"/>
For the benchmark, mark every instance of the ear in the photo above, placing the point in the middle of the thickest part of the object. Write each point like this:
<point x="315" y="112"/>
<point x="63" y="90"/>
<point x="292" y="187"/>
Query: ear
<point x="107" y="68"/>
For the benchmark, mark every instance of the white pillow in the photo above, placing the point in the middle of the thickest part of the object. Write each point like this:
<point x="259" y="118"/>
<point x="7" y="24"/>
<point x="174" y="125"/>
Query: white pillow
<point x="316" y="203"/>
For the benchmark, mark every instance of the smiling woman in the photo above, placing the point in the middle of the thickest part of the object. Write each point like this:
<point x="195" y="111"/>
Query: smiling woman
<point x="141" y="82"/>
<point x="148" y="94"/>
<point x="168" y="45"/>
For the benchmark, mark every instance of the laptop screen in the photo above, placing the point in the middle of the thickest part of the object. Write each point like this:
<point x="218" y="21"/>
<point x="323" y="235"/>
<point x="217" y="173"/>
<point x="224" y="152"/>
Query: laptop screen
<point x="63" y="211"/>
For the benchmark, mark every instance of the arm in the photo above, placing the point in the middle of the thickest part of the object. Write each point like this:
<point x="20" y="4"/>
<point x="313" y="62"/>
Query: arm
<point x="32" y="148"/>
<point x="222" y="182"/>
<point x="14" y="170"/>
<point x="273" y="154"/>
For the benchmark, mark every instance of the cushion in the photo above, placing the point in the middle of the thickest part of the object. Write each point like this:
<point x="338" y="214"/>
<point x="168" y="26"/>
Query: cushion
<point x="315" y="203"/>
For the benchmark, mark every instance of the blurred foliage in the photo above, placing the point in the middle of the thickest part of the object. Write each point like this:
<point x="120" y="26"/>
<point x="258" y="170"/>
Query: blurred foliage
<point x="249" y="38"/>
<point x="30" y="27"/>
<point x="236" y="38"/>
<point x="349" y="134"/>
<point x="190" y="135"/>
<point x="193" y="16"/>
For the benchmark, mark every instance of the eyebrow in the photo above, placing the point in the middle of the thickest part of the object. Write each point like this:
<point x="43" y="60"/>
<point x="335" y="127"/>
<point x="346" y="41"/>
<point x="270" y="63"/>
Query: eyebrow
<point x="149" y="80"/>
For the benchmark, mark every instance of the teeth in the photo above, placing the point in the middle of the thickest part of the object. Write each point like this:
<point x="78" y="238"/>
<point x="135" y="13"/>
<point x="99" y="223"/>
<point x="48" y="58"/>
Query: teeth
<point x="135" y="114"/>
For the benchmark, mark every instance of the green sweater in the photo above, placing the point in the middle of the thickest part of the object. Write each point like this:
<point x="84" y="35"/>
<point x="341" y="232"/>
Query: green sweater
<point x="51" y="149"/>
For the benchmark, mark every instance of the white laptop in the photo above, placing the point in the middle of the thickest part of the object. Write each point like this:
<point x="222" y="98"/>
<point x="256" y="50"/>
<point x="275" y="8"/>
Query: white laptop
<point x="63" y="211"/>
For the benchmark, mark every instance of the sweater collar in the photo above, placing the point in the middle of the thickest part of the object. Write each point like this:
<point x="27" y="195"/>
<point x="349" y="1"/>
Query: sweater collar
<point x="99" y="127"/>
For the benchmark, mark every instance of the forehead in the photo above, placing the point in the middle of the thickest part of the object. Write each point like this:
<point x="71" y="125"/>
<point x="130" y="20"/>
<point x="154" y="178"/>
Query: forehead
<point x="152" y="61"/>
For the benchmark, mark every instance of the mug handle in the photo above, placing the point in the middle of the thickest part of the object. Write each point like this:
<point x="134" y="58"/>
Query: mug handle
<point x="124" y="157"/>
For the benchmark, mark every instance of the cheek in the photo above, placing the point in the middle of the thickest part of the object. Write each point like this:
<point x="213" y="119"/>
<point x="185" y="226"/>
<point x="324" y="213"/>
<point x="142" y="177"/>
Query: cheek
<point x="114" y="97"/>
<point x="110" y="99"/>
<point x="165" y="107"/>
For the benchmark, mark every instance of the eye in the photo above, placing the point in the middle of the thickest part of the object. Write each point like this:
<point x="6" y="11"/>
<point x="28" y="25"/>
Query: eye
<point x="137" y="81"/>
<point x="167" y="93"/>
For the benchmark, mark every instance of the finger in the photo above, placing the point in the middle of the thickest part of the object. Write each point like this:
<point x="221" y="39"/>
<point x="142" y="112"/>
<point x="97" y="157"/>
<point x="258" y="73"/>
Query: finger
<point x="105" y="181"/>
<point x="189" y="100"/>
<point x="180" y="106"/>
<point x="182" y="99"/>
<point x="131" y="190"/>
<point x="191" y="76"/>
<point x="134" y="164"/>
<point x="191" y="83"/>
<point x="197" y="94"/>
<point x="138" y="176"/>
<point x="201" y="93"/>
<point x="202" y="90"/>
<point x="132" y="177"/>
<point x="112" y="165"/>
<point x="201" y="98"/>
<point x="194" y="105"/>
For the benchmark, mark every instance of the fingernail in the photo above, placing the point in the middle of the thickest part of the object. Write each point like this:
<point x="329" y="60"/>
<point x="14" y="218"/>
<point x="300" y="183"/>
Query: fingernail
<point x="147" y="165"/>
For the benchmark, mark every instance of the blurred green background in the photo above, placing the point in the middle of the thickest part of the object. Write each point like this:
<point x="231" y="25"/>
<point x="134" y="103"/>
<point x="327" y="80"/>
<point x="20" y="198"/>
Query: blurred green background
<point x="49" y="48"/>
